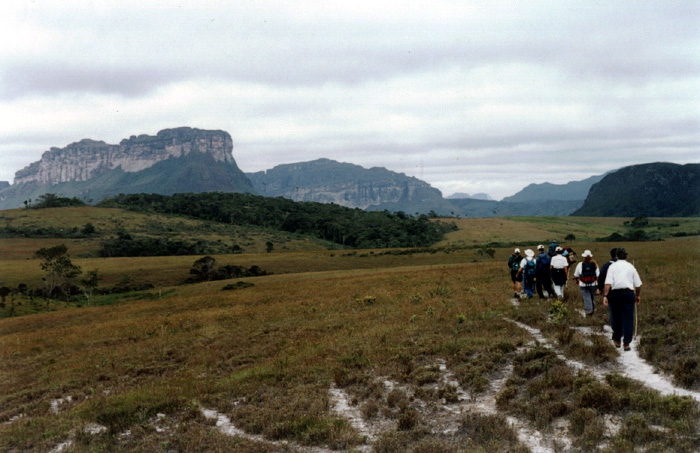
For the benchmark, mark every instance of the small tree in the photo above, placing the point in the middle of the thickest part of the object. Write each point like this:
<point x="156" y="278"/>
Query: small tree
<point x="203" y="269"/>
<point x="88" y="229"/>
<point x="59" y="269"/>
<point x="89" y="283"/>
<point x="269" y="246"/>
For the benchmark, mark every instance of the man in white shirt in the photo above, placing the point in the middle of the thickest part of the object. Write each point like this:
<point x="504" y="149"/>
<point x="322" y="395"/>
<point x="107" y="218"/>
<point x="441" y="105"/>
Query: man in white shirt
<point x="621" y="294"/>
<point x="559" y="268"/>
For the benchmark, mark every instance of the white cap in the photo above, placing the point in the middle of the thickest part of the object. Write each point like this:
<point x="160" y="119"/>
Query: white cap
<point x="529" y="253"/>
<point x="587" y="253"/>
<point x="517" y="250"/>
<point x="540" y="247"/>
<point x="559" y="249"/>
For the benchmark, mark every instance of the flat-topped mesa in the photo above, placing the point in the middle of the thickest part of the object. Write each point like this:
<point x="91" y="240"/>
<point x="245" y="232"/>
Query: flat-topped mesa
<point x="87" y="158"/>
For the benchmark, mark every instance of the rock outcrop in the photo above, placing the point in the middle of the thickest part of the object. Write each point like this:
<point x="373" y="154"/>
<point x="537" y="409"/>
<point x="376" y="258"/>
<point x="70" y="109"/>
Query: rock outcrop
<point x="349" y="185"/>
<point x="87" y="158"/>
<point x="174" y="161"/>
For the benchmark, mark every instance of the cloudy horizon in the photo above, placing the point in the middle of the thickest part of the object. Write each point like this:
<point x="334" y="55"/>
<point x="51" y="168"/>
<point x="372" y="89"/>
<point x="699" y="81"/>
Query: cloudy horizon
<point x="468" y="96"/>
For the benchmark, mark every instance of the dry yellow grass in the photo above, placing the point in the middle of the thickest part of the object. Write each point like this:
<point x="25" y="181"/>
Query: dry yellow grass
<point x="532" y="230"/>
<point x="266" y="355"/>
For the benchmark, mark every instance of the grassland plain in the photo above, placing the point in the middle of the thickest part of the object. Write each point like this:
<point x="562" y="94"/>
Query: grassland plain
<point x="108" y="222"/>
<point x="362" y="321"/>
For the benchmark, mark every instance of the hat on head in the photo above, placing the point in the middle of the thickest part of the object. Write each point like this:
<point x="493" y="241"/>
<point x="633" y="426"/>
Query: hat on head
<point x="540" y="247"/>
<point x="529" y="253"/>
<point x="517" y="250"/>
<point x="586" y="253"/>
<point x="559" y="249"/>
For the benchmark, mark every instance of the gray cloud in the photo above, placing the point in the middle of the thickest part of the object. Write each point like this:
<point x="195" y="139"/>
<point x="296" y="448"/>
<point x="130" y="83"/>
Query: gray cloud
<point x="447" y="92"/>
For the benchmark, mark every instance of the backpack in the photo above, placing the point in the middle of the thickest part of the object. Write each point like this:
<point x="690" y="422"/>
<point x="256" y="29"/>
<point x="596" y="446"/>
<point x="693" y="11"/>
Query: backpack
<point x="543" y="262"/>
<point x="588" y="273"/>
<point x="530" y="268"/>
<point x="514" y="263"/>
<point x="552" y="249"/>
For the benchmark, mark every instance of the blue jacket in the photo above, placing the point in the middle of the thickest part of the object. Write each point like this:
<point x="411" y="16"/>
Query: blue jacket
<point x="543" y="262"/>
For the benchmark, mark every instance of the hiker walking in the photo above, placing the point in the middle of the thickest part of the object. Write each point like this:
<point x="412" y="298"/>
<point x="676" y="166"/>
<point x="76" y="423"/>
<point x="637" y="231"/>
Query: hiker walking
<point x="560" y="272"/>
<point x="586" y="275"/>
<point x="552" y="249"/>
<point x="604" y="270"/>
<point x="543" y="279"/>
<point x="514" y="266"/>
<point x="569" y="254"/>
<point x="528" y="270"/>
<point x="621" y="295"/>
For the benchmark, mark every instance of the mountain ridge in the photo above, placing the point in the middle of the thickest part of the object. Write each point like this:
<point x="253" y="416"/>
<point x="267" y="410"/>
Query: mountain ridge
<point x="345" y="184"/>
<point x="659" y="189"/>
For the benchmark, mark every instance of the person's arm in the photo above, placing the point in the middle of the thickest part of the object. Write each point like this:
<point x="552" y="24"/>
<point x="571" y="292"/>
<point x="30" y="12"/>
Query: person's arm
<point x="637" y="286"/>
<point x="520" y="271"/>
<point x="606" y="290"/>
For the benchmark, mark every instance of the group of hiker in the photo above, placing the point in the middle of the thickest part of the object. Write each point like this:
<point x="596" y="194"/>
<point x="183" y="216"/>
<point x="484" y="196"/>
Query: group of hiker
<point x="548" y="273"/>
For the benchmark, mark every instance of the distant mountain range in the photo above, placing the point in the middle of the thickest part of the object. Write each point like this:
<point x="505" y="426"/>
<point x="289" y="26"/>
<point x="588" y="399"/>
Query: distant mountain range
<point x="476" y="196"/>
<point x="188" y="160"/>
<point x="574" y="190"/>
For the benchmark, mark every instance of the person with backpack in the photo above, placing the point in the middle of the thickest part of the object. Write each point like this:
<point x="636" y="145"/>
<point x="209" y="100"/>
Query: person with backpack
<point x="586" y="275"/>
<point x="569" y="254"/>
<point x="552" y="250"/>
<point x="621" y="296"/>
<point x="559" y="267"/>
<point x="514" y="266"/>
<point x="528" y="269"/>
<point x="604" y="270"/>
<point x="543" y="279"/>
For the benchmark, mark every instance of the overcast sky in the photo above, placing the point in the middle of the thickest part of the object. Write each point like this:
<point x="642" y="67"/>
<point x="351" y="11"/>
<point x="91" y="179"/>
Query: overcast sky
<point x="468" y="96"/>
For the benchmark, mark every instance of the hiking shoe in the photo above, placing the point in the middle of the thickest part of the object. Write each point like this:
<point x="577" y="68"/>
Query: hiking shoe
<point x="516" y="295"/>
<point x="617" y="343"/>
<point x="627" y="347"/>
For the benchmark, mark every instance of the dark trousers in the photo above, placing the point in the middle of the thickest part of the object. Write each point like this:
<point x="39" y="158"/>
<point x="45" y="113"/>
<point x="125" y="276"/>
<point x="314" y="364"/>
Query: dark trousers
<point x="544" y="282"/>
<point x="622" y="304"/>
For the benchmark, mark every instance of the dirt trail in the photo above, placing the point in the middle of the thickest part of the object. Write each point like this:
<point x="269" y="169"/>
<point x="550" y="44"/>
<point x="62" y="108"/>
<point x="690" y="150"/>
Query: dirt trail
<point x="444" y="418"/>
<point x="226" y="426"/>
<point x="628" y="364"/>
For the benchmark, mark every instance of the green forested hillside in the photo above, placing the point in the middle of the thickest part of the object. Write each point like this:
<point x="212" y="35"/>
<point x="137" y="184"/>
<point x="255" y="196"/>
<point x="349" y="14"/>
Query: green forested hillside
<point x="345" y="226"/>
<point x="655" y="190"/>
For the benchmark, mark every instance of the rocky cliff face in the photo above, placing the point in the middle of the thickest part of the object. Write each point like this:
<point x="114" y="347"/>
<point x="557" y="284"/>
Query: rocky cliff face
<point x="348" y="185"/>
<point x="87" y="158"/>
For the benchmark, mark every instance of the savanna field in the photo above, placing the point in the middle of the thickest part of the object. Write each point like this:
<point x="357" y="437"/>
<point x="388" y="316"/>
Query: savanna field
<point x="384" y="350"/>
